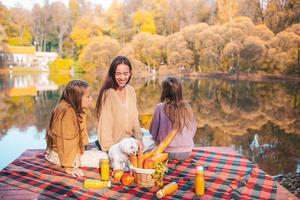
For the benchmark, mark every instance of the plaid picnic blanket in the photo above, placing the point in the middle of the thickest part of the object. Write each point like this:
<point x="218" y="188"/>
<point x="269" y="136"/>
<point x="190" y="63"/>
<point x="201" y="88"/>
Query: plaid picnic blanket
<point x="227" y="177"/>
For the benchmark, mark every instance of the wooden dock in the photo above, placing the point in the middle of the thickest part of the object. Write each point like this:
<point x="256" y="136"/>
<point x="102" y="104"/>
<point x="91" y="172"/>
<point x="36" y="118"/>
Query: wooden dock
<point x="9" y="192"/>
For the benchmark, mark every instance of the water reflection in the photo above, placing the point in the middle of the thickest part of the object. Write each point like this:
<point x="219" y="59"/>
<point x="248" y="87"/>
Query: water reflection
<point x="229" y="113"/>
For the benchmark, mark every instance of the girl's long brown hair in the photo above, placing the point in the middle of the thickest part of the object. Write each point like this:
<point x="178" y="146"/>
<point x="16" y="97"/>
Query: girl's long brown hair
<point x="72" y="94"/>
<point x="176" y="108"/>
<point x="110" y="80"/>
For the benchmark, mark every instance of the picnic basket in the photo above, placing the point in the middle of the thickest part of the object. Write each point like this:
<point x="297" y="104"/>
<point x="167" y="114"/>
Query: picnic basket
<point x="143" y="177"/>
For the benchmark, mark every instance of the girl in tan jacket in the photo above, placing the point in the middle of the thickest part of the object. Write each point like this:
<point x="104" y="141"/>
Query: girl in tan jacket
<point x="67" y="134"/>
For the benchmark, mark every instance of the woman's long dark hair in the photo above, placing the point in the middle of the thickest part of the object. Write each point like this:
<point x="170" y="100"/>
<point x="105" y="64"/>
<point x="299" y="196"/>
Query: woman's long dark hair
<point x="72" y="94"/>
<point x="176" y="108"/>
<point x="110" y="81"/>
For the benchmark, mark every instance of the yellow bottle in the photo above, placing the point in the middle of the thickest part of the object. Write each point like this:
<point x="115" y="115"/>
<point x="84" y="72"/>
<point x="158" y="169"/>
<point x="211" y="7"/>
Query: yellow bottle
<point x="90" y="183"/>
<point x="199" y="181"/>
<point x="167" y="190"/>
<point x="105" y="170"/>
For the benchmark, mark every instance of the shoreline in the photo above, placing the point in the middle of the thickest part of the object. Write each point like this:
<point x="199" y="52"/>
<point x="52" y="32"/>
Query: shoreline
<point x="216" y="75"/>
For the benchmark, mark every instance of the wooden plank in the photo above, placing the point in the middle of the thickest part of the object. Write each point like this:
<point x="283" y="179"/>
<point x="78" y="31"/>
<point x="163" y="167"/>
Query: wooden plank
<point x="12" y="192"/>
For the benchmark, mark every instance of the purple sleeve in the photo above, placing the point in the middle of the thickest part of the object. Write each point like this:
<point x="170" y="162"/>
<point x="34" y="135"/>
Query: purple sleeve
<point x="154" y="126"/>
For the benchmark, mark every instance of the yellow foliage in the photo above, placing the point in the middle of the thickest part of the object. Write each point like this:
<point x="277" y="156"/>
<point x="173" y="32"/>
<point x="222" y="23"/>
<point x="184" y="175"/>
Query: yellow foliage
<point x="98" y="53"/>
<point x="60" y="78"/>
<point x="25" y="40"/>
<point x="61" y="64"/>
<point x="86" y="28"/>
<point x="227" y="9"/>
<point x="20" y="49"/>
<point x="143" y="21"/>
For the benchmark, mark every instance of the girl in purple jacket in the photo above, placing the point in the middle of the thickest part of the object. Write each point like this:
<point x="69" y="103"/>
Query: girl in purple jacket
<point x="174" y="113"/>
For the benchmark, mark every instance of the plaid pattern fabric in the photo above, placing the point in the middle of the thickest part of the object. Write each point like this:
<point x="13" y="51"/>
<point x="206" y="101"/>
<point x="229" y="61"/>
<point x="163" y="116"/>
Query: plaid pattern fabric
<point x="227" y="177"/>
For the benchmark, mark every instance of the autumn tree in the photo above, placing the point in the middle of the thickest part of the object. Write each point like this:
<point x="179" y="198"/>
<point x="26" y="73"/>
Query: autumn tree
<point x="143" y="22"/>
<point x="60" y="18"/>
<point x="209" y="45"/>
<point x="226" y="10"/>
<point x="86" y="28"/>
<point x="149" y="49"/>
<point x="189" y="34"/>
<point x="252" y="53"/>
<point x="137" y="65"/>
<point x="179" y="55"/>
<point x="41" y="28"/>
<point x="3" y="37"/>
<point x="114" y="19"/>
<point x="263" y="32"/>
<point x="19" y="27"/>
<point x="98" y="53"/>
<point x="284" y="50"/>
<point x="281" y="14"/>
<point x="251" y="9"/>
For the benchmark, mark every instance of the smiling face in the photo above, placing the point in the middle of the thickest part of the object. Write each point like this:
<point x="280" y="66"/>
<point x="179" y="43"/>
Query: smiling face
<point x="122" y="75"/>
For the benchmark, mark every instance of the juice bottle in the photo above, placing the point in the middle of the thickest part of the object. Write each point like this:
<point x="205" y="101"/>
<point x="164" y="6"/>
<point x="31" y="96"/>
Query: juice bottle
<point x="90" y="183"/>
<point x="167" y="190"/>
<point x="105" y="170"/>
<point x="199" y="181"/>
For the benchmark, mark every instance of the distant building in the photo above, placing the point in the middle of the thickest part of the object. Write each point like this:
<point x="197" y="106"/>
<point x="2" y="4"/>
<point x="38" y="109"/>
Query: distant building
<point x="26" y="56"/>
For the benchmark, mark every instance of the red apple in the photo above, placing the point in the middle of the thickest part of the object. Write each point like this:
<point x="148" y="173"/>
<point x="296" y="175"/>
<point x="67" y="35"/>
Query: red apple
<point x="127" y="179"/>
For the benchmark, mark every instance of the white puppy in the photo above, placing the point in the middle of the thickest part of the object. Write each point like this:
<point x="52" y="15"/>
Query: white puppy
<point x="119" y="152"/>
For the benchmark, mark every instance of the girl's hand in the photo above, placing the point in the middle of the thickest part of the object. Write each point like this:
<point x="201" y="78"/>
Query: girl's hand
<point x="75" y="172"/>
<point x="141" y="145"/>
<point x="77" y="162"/>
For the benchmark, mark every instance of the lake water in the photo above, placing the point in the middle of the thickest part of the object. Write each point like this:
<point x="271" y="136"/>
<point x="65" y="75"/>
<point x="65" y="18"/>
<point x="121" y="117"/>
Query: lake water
<point x="261" y="120"/>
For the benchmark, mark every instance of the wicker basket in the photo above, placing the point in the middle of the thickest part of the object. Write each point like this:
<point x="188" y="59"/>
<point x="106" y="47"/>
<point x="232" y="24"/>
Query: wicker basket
<point x="143" y="177"/>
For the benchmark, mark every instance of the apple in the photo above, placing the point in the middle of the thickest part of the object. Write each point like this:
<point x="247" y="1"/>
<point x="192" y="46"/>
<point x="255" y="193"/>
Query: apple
<point x="117" y="174"/>
<point x="127" y="179"/>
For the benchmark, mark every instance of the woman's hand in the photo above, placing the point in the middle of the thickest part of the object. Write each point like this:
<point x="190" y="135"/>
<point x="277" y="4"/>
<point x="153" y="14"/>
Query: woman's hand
<point x="141" y="145"/>
<point x="77" y="161"/>
<point x="75" y="172"/>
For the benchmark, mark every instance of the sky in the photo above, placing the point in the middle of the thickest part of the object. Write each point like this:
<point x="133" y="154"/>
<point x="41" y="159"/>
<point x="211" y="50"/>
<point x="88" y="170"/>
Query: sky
<point x="27" y="4"/>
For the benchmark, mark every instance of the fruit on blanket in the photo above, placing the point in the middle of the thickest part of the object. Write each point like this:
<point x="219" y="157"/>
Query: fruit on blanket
<point x="164" y="144"/>
<point x="148" y="163"/>
<point x="133" y="160"/>
<point x="159" y="157"/>
<point x="140" y="159"/>
<point x="117" y="174"/>
<point x="158" y="175"/>
<point x="127" y="179"/>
